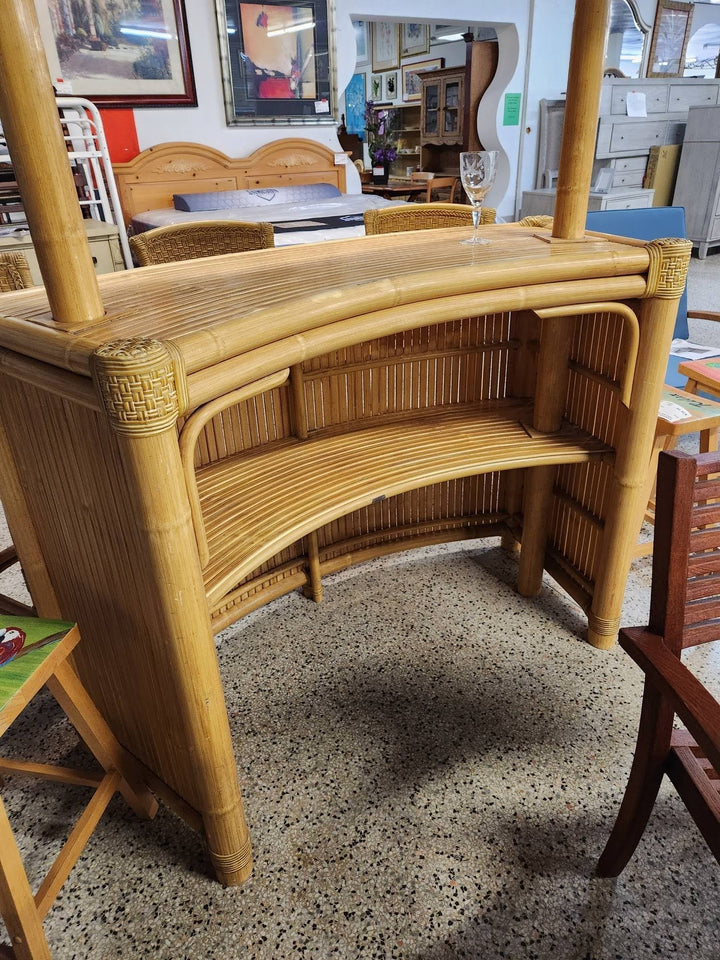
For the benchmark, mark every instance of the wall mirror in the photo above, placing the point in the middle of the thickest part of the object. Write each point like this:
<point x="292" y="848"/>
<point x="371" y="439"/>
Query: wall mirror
<point x="627" y="40"/>
<point x="701" y="55"/>
<point x="671" y="33"/>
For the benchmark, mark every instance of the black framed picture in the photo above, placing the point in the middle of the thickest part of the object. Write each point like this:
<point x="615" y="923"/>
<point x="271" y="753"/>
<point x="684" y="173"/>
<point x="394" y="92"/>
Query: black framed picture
<point x="276" y="61"/>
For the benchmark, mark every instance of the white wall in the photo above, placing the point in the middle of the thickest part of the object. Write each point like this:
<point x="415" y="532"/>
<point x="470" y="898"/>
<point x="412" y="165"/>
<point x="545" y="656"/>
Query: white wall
<point x="536" y="70"/>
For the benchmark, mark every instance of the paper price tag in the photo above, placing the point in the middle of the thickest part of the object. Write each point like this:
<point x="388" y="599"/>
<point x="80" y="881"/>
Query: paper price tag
<point x="673" y="412"/>
<point x="636" y="104"/>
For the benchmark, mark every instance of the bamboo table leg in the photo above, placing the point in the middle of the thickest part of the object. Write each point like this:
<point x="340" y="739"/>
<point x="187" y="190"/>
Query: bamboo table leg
<point x="552" y="379"/>
<point x="140" y="382"/>
<point x="633" y="462"/>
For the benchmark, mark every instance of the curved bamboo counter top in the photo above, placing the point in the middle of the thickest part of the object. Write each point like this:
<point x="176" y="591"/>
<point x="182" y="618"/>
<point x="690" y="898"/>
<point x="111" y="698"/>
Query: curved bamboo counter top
<point x="224" y="309"/>
<point x="239" y="426"/>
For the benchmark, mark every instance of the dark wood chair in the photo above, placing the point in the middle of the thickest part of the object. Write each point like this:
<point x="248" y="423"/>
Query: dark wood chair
<point x="684" y="612"/>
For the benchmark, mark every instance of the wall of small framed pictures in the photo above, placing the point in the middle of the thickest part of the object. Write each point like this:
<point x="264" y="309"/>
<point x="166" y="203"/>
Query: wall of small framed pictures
<point x="390" y="53"/>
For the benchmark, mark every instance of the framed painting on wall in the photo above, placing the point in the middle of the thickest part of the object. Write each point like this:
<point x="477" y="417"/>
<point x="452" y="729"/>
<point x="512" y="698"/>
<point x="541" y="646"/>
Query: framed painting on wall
<point x="670" y="38"/>
<point x="411" y="86"/>
<point x="414" y="39"/>
<point x="385" y="46"/>
<point x="376" y="87"/>
<point x="119" y="56"/>
<point x="362" y="42"/>
<point x="276" y="61"/>
<point x="390" y="85"/>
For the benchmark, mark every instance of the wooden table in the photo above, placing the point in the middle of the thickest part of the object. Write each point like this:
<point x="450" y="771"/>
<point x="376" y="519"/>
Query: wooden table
<point x="395" y="188"/>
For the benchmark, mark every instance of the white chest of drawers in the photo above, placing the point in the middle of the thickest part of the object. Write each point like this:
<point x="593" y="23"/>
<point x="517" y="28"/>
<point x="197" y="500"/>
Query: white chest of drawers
<point x="542" y="202"/>
<point x="104" y="247"/>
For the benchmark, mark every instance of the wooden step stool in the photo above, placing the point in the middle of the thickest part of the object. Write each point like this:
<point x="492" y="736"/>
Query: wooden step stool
<point x="34" y="653"/>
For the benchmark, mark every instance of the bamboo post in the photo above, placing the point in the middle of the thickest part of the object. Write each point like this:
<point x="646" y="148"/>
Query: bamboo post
<point x="587" y="54"/>
<point x="552" y="379"/>
<point x="42" y="168"/>
<point x="143" y="391"/>
<point x="313" y="588"/>
<point x="635" y="451"/>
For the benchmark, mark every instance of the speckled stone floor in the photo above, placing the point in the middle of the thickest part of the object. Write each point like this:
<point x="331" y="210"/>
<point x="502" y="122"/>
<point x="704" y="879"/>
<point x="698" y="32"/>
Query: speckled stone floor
<point x="431" y="765"/>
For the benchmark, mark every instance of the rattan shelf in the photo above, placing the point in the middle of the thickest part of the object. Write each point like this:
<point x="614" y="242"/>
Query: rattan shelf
<point x="253" y="507"/>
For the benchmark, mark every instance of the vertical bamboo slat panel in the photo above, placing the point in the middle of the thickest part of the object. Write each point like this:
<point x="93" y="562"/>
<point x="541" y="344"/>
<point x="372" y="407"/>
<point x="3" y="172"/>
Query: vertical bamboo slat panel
<point x="23" y="533"/>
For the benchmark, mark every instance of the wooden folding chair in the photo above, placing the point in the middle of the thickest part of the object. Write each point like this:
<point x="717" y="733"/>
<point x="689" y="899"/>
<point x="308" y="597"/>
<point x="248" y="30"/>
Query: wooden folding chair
<point x="34" y="653"/>
<point x="684" y="612"/>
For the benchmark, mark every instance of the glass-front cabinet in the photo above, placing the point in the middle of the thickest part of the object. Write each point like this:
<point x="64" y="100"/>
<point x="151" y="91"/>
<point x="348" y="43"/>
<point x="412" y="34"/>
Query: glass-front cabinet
<point x="431" y="109"/>
<point x="442" y="133"/>
<point x="442" y="104"/>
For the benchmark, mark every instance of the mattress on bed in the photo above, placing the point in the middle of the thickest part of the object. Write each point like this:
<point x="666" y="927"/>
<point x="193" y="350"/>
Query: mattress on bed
<point x="328" y="218"/>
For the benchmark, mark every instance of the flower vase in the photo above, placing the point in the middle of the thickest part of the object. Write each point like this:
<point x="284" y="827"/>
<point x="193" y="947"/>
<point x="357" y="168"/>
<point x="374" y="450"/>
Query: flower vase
<point x="380" y="173"/>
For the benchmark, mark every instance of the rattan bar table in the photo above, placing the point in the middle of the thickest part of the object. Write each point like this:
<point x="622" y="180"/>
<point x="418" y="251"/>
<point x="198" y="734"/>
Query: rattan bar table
<point x="181" y="444"/>
<point x="230" y="431"/>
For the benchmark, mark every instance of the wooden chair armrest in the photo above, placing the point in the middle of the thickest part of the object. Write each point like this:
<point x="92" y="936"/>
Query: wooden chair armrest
<point x="693" y="703"/>
<point x="703" y="315"/>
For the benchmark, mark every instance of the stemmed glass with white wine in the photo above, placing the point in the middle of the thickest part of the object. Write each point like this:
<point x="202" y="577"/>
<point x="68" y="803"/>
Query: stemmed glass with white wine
<point x="477" y="172"/>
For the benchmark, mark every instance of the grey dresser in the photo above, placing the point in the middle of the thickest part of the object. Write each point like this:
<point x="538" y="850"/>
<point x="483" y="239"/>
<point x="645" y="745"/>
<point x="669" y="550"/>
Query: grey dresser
<point x="623" y="142"/>
<point x="698" y="182"/>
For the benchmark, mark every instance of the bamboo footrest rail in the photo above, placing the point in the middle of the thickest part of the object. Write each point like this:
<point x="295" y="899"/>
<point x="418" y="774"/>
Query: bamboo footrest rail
<point x="254" y="506"/>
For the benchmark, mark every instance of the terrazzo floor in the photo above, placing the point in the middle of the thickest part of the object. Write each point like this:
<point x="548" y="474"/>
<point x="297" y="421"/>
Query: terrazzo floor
<point x="431" y="766"/>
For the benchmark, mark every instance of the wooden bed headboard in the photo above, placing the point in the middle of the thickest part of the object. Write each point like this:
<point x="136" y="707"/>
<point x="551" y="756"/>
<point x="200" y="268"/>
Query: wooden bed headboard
<point x="149" y="181"/>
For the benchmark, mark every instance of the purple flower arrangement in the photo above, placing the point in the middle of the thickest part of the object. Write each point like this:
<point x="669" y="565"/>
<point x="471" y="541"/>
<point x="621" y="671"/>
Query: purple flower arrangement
<point x="381" y="127"/>
<point x="384" y="155"/>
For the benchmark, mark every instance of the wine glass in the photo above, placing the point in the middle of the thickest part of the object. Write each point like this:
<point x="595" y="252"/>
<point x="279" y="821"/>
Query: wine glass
<point x="477" y="172"/>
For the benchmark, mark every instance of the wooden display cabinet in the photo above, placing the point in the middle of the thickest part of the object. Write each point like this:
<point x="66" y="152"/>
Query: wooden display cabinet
<point x="449" y="104"/>
<point x="443" y="96"/>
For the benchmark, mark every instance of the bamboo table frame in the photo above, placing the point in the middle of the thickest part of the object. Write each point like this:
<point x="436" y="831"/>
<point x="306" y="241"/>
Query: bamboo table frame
<point x="205" y="438"/>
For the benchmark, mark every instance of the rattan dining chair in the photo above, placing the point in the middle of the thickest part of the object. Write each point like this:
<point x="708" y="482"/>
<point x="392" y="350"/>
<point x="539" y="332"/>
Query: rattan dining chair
<point x="684" y="612"/>
<point x="208" y="238"/>
<point x="14" y="272"/>
<point x="14" y="275"/>
<point x="424" y="216"/>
